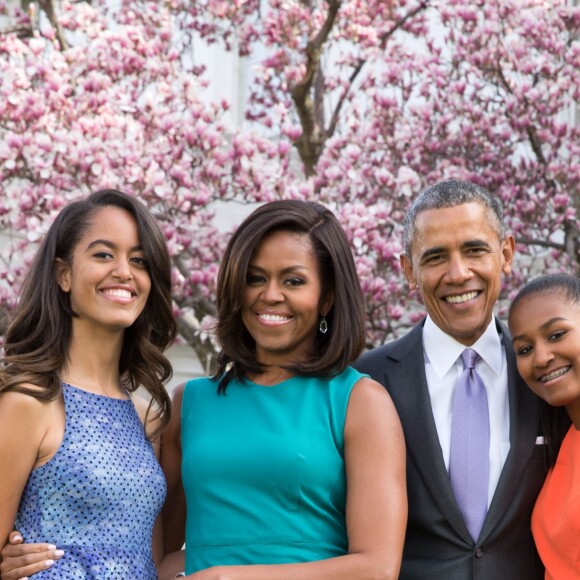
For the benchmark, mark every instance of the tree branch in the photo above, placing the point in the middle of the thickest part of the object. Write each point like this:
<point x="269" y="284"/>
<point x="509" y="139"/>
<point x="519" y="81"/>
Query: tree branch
<point x="541" y="243"/>
<point x="530" y="131"/>
<point x="203" y="348"/>
<point x="384" y="38"/>
<point x="21" y="30"/>
<point x="571" y="234"/>
<point x="49" y="7"/>
<point x="309" y="144"/>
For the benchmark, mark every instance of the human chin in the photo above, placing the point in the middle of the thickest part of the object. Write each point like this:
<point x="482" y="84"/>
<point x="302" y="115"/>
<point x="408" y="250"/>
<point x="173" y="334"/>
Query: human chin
<point x="129" y="318"/>
<point x="465" y="330"/>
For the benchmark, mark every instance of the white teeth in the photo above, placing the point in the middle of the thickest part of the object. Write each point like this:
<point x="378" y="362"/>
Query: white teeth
<point x="273" y="317"/>
<point x="555" y="374"/>
<point x="118" y="292"/>
<point x="461" y="298"/>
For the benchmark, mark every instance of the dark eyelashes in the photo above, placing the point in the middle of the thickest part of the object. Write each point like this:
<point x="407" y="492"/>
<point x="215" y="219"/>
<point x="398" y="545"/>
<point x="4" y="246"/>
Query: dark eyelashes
<point x="140" y="260"/>
<point x="287" y="282"/>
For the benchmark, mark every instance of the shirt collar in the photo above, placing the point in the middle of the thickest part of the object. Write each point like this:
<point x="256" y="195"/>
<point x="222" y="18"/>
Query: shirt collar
<point x="442" y="350"/>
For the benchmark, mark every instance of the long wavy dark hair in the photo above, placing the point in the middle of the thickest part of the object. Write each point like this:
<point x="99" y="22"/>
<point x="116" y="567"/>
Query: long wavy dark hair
<point x="345" y="338"/>
<point x="37" y="340"/>
<point x="555" y="420"/>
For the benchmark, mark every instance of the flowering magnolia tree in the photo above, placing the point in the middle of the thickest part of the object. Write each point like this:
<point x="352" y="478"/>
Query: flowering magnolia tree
<point x="99" y="98"/>
<point x="357" y="103"/>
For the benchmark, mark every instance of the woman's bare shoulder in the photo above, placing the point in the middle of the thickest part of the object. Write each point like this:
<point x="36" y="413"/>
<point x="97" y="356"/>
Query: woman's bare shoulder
<point x="26" y="402"/>
<point x="31" y="419"/>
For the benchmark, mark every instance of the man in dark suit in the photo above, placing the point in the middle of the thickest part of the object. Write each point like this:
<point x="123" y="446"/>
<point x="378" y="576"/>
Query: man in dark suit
<point x="456" y="251"/>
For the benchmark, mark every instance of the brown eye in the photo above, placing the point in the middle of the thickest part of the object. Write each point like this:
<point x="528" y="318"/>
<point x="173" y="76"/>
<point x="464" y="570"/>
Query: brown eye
<point x="253" y="279"/>
<point x="102" y="255"/>
<point x="139" y="260"/>
<point x="556" y="335"/>
<point x="522" y="351"/>
<point x="294" y="282"/>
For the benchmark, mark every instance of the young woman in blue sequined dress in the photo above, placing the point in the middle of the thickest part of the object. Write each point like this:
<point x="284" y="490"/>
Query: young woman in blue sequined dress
<point x="78" y="469"/>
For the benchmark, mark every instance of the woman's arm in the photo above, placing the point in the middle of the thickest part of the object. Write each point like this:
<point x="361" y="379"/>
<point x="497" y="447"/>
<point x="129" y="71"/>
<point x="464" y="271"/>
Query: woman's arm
<point x="21" y="560"/>
<point x="173" y="514"/>
<point x="30" y="431"/>
<point x="151" y="423"/>
<point x="376" y="510"/>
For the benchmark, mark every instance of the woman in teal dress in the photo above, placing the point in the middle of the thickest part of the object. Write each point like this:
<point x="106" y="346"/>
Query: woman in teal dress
<point x="290" y="462"/>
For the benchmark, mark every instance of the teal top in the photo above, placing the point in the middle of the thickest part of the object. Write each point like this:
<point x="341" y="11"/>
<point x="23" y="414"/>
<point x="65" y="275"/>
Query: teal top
<point x="263" y="471"/>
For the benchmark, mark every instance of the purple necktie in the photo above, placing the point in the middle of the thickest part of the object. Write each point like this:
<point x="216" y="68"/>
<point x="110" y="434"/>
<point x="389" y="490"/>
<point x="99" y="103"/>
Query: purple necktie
<point x="469" y="454"/>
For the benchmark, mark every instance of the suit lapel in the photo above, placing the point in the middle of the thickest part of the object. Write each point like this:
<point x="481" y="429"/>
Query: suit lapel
<point x="524" y="425"/>
<point x="407" y="385"/>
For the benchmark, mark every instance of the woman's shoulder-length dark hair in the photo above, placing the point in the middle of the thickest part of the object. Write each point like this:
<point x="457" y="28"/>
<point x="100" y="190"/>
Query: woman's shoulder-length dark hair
<point x="345" y="338"/>
<point x="37" y="340"/>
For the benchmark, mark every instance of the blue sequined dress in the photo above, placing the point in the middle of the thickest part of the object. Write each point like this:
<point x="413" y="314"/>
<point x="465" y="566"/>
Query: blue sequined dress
<point x="99" y="496"/>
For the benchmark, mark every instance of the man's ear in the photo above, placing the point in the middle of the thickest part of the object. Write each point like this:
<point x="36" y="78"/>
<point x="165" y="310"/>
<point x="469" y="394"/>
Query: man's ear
<point x="407" y="266"/>
<point x="62" y="272"/>
<point x="508" y="249"/>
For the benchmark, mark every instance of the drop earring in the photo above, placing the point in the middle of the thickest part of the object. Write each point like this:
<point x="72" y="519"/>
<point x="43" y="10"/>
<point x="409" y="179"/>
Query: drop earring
<point x="323" y="326"/>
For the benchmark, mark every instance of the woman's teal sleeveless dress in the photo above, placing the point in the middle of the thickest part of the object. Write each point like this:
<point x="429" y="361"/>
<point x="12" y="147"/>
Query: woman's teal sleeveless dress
<point x="263" y="471"/>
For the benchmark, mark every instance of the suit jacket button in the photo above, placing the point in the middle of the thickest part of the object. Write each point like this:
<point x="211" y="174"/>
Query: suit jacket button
<point x="478" y="553"/>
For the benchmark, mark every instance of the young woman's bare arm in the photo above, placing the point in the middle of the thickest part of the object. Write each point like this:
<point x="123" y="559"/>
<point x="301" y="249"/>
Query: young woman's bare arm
<point x="31" y="431"/>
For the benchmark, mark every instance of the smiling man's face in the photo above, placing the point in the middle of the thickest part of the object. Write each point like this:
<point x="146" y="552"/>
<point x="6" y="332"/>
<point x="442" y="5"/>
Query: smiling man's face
<point x="457" y="260"/>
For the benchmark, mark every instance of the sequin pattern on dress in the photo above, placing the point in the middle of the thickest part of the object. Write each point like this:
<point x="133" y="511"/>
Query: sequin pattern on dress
<point x="99" y="496"/>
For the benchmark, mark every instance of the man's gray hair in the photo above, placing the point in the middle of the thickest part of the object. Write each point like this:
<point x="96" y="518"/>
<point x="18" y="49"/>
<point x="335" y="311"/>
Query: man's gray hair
<point x="451" y="193"/>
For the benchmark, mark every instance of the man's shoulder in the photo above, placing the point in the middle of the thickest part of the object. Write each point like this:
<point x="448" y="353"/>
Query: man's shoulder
<point x="377" y="353"/>
<point x="390" y="349"/>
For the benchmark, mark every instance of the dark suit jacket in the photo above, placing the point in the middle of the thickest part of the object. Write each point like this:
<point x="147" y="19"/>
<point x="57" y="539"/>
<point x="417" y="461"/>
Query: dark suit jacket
<point x="438" y="545"/>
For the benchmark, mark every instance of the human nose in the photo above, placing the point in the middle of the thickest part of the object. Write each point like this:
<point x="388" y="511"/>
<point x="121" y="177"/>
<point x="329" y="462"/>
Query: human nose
<point x="458" y="270"/>
<point x="542" y="355"/>
<point x="122" y="270"/>
<point x="272" y="292"/>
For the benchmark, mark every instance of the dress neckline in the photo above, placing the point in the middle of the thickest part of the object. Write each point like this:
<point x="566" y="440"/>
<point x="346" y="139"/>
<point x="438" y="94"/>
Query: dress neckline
<point x="280" y="384"/>
<point x="73" y="387"/>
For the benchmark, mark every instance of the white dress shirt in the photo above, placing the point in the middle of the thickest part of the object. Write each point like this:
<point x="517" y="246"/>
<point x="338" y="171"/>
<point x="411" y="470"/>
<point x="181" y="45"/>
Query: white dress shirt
<point x="443" y="367"/>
